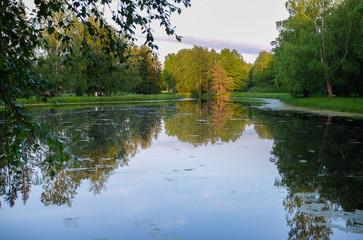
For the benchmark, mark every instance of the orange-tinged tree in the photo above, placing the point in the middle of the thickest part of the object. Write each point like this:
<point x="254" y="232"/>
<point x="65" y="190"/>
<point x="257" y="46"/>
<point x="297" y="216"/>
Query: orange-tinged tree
<point x="221" y="83"/>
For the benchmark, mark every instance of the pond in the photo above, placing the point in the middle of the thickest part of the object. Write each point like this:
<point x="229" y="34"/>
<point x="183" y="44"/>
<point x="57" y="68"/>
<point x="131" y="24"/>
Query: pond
<point x="191" y="170"/>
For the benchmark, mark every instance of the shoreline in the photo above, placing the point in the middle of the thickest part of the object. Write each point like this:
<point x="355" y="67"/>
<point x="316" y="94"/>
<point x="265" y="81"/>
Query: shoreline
<point x="274" y="102"/>
<point x="278" y="105"/>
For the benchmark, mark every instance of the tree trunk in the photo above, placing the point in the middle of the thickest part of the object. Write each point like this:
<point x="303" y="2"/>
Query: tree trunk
<point x="325" y="138"/>
<point x="200" y="87"/>
<point x="329" y="86"/>
<point x="306" y="93"/>
<point x="360" y="84"/>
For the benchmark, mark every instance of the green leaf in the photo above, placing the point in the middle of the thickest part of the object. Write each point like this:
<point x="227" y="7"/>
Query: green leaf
<point x="50" y="30"/>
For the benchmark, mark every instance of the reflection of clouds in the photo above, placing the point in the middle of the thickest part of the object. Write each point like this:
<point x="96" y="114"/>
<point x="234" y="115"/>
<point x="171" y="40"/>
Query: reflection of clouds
<point x="176" y="222"/>
<point x="182" y="221"/>
<point x="71" y="222"/>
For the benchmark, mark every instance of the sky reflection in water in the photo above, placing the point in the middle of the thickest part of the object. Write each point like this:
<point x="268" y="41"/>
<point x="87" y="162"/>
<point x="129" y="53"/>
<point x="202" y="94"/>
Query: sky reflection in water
<point x="187" y="171"/>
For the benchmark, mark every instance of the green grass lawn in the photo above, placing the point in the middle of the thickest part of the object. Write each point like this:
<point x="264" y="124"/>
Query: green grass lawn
<point x="340" y="104"/>
<point x="66" y="99"/>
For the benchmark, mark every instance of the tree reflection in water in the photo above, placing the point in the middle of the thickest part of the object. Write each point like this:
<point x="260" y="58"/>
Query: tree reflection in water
<point x="319" y="159"/>
<point x="210" y="122"/>
<point x="103" y="139"/>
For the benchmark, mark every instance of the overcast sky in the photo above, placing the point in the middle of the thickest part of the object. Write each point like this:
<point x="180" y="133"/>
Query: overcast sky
<point x="248" y="26"/>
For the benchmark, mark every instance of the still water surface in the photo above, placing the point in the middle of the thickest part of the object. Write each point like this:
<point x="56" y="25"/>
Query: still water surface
<point x="189" y="170"/>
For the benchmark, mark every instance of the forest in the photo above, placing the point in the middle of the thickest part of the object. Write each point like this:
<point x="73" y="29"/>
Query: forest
<point x="92" y="70"/>
<point x="318" y="51"/>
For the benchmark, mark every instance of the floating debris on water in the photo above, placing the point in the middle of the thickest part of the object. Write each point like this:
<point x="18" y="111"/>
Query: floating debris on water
<point x="189" y="169"/>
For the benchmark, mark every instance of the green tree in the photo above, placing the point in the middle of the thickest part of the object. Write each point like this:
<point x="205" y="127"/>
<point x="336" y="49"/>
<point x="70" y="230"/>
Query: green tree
<point x="191" y="70"/>
<point x="347" y="19"/>
<point x="177" y="67"/>
<point x="236" y="68"/>
<point x="262" y="62"/>
<point x="149" y="69"/>
<point x="295" y="56"/>
<point x="53" y="68"/>
<point x="262" y="74"/>
<point x="196" y="69"/>
<point x="169" y="80"/>
<point x="314" y="43"/>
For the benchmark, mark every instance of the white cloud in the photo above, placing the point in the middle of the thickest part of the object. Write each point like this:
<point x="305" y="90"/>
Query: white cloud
<point x="220" y="44"/>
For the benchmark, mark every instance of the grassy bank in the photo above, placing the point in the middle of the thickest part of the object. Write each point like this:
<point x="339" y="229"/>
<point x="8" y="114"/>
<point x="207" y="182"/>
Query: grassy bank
<point x="260" y="95"/>
<point x="64" y="99"/>
<point x="339" y="104"/>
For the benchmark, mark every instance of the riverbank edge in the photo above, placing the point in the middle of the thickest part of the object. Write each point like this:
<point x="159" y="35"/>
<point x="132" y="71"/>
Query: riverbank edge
<point x="66" y="101"/>
<point x="348" y="105"/>
<point x="338" y="104"/>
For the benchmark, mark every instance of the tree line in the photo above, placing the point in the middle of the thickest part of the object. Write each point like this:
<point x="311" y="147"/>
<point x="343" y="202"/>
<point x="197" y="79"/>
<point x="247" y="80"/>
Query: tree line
<point x="319" y="50"/>
<point x="91" y="70"/>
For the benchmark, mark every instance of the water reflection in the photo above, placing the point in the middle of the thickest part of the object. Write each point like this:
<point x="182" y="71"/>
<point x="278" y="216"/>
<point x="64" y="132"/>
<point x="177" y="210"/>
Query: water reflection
<point x="320" y="162"/>
<point x="319" y="159"/>
<point x="103" y="140"/>
<point x="210" y="122"/>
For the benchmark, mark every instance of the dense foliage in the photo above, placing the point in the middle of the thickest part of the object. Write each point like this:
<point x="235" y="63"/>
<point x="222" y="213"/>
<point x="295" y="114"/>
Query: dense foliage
<point x="199" y="70"/>
<point x="319" y="48"/>
<point x="262" y="74"/>
<point x="95" y="72"/>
